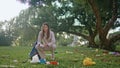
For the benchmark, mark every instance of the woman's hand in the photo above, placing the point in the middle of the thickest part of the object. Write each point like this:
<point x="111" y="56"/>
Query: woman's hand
<point x="46" y="45"/>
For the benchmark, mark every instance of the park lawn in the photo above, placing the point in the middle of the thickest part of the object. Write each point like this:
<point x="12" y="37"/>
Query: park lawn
<point x="68" y="57"/>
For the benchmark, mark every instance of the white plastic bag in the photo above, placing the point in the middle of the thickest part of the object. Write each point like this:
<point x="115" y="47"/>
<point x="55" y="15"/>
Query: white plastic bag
<point x="35" y="59"/>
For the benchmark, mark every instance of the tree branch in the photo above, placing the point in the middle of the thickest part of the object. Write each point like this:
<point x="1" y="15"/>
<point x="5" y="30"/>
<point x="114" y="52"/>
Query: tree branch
<point x="115" y="38"/>
<point x="113" y="19"/>
<point x="97" y="14"/>
<point x="79" y="34"/>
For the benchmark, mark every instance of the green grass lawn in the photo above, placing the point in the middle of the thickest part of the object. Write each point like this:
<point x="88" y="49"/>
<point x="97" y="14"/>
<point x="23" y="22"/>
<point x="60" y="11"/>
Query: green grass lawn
<point x="68" y="57"/>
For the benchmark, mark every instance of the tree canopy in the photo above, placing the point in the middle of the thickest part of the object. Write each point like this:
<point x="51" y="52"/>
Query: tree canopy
<point x="94" y="17"/>
<point x="89" y="19"/>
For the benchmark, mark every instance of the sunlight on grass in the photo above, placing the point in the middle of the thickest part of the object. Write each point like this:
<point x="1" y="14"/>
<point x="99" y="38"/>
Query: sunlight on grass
<point x="68" y="57"/>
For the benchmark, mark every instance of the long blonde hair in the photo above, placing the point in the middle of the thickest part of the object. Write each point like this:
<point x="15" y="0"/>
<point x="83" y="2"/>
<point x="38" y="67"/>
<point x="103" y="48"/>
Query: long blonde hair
<point x="43" y="33"/>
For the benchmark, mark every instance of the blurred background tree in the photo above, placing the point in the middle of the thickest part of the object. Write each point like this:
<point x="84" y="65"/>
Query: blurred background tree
<point x="90" y="19"/>
<point x="94" y="18"/>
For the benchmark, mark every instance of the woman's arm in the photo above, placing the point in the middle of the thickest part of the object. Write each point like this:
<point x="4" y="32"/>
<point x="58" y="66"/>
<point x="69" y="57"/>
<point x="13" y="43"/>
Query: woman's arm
<point x="52" y="39"/>
<point x="39" y="38"/>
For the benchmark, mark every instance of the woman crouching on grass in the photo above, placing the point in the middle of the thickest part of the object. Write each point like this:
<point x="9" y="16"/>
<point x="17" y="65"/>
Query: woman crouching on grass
<point x="46" y="42"/>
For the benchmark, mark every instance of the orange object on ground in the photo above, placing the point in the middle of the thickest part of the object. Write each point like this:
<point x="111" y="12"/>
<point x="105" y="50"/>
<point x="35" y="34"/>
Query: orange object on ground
<point x="54" y="63"/>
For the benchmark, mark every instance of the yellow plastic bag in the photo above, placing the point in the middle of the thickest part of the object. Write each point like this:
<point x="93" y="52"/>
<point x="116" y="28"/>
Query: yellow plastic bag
<point x="88" y="62"/>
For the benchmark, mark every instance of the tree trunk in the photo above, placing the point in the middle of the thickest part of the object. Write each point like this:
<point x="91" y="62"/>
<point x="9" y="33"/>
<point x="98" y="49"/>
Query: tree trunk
<point x="105" y="43"/>
<point x="92" y="42"/>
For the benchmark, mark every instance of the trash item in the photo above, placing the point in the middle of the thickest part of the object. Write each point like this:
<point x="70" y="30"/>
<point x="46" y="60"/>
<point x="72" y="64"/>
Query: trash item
<point x="97" y="55"/>
<point x="96" y="50"/>
<point x="43" y="61"/>
<point x="88" y="62"/>
<point x="69" y="52"/>
<point x="7" y="66"/>
<point x="15" y="61"/>
<point x="111" y="52"/>
<point x="105" y="52"/>
<point x="82" y="54"/>
<point x="52" y="63"/>
<point x="116" y="53"/>
<point x="35" y="59"/>
<point x="48" y="62"/>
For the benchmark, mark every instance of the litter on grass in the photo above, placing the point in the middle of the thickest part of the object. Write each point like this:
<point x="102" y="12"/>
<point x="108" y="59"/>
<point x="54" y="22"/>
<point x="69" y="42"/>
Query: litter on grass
<point x="52" y="63"/>
<point x="7" y="66"/>
<point x="88" y="62"/>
